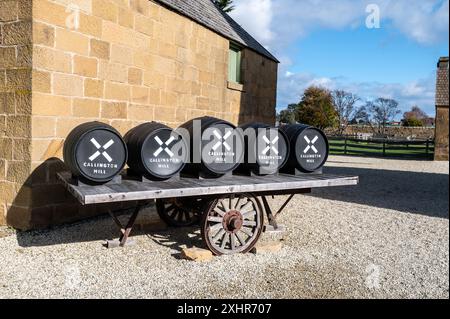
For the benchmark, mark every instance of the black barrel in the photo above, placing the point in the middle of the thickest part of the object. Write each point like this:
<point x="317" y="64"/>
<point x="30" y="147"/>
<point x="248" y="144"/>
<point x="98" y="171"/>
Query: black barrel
<point x="155" y="151"/>
<point x="309" y="148"/>
<point x="266" y="149"/>
<point x="216" y="147"/>
<point x="95" y="152"/>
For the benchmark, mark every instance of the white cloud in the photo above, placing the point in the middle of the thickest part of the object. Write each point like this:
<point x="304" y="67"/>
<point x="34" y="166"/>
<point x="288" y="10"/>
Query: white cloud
<point x="256" y="17"/>
<point x="289" y="74"/>
<point x="425" y="21"/>
<point x="276" y="23"/>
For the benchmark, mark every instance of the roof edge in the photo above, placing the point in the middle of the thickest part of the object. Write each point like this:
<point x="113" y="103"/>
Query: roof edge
<point x="269" y="56"/>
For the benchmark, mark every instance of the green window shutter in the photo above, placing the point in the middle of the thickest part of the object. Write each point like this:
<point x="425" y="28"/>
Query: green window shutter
<point x="234" y="64"/>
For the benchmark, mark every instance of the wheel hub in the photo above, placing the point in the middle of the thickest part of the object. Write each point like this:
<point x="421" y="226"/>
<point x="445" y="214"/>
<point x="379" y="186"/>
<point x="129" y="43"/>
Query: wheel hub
<point x="233" y="221"/>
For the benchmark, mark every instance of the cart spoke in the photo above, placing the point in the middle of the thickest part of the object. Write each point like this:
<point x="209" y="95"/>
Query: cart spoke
<point x="170" y="208"/>
<point x="249" y="223"/>
<point x="219" y="235"/>
<point x="172" y="214"/>
<point x="216" y="227"/>
<point x="242" y="204"/>
<point x="225" y="205"/>
<point x="219" y="211"/>
<point x="233" y="202"/>
<point x="237" y="203"/>
<point x="177" y="213"/>
<point x="233" y="242"/>
<point x="225" y="239"/>
<point x="180" y="215"/>
<point x="247" y="215"/>
<point x="215" y="219"/>
<point x="247" y="231"/>
<point x="240" y="239"/>
<point x="247" y="207"/>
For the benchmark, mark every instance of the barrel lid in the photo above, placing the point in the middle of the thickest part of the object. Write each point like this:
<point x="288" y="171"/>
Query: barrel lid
<point x="164" y="153"/>
<point x="272" y="149"/>
<point x="100" y="154"/>
<point x="222" y="147"/>
<point x="311" y="149"/>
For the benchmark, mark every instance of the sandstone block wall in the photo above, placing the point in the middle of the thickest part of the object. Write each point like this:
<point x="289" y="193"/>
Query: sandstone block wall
<point x="442" y="109"/>
<point x="397" y="131"/>
<point x="15" y="99"/>
<point x="123" y="62"/>
<point x="441" y="152"/>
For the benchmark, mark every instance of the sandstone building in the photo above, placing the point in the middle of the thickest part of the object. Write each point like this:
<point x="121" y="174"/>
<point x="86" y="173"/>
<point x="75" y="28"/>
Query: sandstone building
<point x="123" y="62"/>
<point x="442" y="108"/>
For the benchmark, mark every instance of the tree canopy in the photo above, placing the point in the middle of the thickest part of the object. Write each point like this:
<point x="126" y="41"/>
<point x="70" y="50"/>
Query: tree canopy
<point x="345" y="106"/>
<point x="316" y="108"/>
<point x="416" y="112"/>
<point x="322" y="108"/>
<point x="287" y="116"/>
<point x="416" y="117"/>
<point x="412" y="122"/>
<point x="225" y="5"/>
<point x="381" y="112"/>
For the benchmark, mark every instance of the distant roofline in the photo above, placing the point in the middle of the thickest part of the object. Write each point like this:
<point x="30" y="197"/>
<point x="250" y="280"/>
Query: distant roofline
<point x="443" y="59"/>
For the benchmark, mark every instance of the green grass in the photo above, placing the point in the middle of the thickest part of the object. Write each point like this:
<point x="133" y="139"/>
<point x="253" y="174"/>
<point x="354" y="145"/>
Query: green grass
<point x="337" y="148"/>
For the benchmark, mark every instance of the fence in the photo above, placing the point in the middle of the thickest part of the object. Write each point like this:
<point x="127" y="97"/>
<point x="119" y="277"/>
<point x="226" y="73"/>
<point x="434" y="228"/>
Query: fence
<point x="379" y="147"/>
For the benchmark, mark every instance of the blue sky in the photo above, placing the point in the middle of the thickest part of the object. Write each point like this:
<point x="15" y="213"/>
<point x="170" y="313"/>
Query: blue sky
<point x="328" y="43"/>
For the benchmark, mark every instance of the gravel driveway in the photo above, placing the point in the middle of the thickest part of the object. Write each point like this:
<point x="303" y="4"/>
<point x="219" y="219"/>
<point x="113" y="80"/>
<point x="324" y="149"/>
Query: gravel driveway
<point x="386" y="238"/>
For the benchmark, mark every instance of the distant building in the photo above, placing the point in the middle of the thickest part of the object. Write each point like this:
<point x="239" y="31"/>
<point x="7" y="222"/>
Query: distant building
<point x="442" y="109"/>
<point x="429" y="122"/>
<point x="364" y="136"/>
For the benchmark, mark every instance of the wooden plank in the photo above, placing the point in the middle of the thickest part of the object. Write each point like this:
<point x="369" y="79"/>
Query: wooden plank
<point x="129" y="190"/>
<point x="390" y="142"/>
<point x="354" y="151"/>
<point x="421" y="149"/>
<point x="365" y="147"/>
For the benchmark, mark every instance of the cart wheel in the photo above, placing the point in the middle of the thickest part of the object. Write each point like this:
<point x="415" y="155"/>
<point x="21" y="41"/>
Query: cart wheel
<point x="179" y="212"/>
<point x="232" y="225"/>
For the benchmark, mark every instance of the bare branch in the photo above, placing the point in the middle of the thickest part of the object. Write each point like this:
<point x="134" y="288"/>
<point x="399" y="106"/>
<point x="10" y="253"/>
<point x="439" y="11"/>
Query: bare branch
<point x="345" y="105"/>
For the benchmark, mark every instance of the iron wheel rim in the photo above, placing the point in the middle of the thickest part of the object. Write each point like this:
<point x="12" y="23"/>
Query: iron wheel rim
<point x="221" y="229"/>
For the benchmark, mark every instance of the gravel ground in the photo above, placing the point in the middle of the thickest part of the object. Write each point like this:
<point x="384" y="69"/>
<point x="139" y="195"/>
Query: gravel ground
<point x="386" y="238"/>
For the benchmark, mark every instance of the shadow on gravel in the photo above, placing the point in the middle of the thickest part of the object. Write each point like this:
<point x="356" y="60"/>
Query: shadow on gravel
<point x="103" y="228"/>
<point x="94" y="229"/>
<point x="412" y="192"/>
<point x="178" y="238"/>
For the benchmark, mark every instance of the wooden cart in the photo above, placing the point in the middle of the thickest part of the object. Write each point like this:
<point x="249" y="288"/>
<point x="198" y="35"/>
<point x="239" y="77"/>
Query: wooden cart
<point x="230" y="210"/>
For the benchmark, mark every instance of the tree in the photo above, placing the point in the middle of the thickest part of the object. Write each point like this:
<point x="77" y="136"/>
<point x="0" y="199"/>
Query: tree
<point x="361" y="116"/>
<point x="287" y="116"/>
<point x="316" y="108"/>
<point x="226" y="5"/>
<point x="415" y="117"/>
<point x="416" y="112"/>
<point x="381" y="112"/>
<point x="412" y="122"/>
<point x="345" y="106"/>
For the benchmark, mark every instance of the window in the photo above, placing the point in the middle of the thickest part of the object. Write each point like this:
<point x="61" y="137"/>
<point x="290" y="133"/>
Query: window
<point x="234" y="64"/>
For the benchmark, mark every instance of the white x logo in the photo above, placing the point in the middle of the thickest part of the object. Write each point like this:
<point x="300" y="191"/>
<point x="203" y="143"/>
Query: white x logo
<point x="222" y="140"/>
<point x="99" y="147"/>
<point x="311" y="144"/>
<point x="164" y="147"/>
<point x="270" y="145"/>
